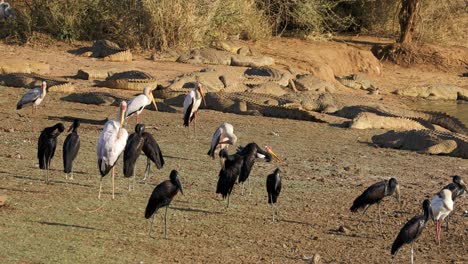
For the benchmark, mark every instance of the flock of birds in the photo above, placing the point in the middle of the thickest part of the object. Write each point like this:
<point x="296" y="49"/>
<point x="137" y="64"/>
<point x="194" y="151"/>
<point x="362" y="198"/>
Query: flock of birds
<point x="235" y="168"/>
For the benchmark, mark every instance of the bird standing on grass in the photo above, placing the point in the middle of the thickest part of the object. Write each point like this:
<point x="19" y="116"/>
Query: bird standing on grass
<point x="222" y="138"/>
<point x="192" y="102"/>
<point x="138" y="141"/>
<point x="441" y="207"/>
<point x="374" y="195"/>
<point x="137" y="104"/>
<point x="71" y="146"/>
<point x="458" y="188"/>
<point x="162" y="196"/>
<point x="273" y="186"/>
<point x="412" y="230"/>
<point x="111" y="144"/>
<point x="46" y="146"/>
<point x="33" y="97"/>
<point x="251" y="152"/>
<point x="230" y="169"/>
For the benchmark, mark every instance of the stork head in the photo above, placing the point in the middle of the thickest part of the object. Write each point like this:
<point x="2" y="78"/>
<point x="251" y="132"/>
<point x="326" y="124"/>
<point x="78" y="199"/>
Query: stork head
<point x="75" y="125"/>
<point x="139" y="128"/>
<point x="175" y="179"/>
<point x="149" y="93"/>
<point x="268" y="149"/>
<point x="44" y="87"/>
<point x="223" y="155"/>
<point x="202" y="94"/>
<point x="427" y="208"/>
<point x="458" y="180"/>
<point x="393" y="184"/>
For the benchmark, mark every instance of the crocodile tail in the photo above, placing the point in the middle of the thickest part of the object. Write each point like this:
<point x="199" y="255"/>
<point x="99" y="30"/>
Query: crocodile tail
<point x="446" y="121"/>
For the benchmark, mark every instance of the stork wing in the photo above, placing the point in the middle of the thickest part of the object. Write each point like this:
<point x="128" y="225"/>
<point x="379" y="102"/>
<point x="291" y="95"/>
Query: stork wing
<point x="152" y="150"/>
<point x="29" y="97"/>
<point x="136" y="104"/>
<point x="214" y="141"/>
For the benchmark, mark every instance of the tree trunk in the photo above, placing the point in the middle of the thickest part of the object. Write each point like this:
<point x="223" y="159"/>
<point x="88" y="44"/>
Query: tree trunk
<point x="408" y="19"/>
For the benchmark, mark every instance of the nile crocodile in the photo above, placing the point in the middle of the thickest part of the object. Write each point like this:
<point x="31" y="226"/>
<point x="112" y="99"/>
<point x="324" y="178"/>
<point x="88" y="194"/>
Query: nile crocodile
<point x="30" y="80"/>
<point x="106" y="50"/>
<point x="309" y="82"/>
<point x="424" y="118"/>
<point x="357" y="81"/>
<point x="435" y="92"/>
<point x="367" y="120"/>
<point x="129" y="80"/>
<point x="221" y="57"/>
<point x="425" y="141"/>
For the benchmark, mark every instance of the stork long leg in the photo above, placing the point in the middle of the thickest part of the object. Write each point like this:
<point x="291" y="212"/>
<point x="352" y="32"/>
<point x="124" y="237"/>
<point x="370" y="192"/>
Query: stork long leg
<point x="380" y="219"/>
<point x="412" y="253"/>
<point x="362" y="216"/>
<point x="165" y="223"/>
<point x="113" y="186"/>
<point x="195" y="124"/>
<point x="250" y="187"/>
<point x="228" y="200"/>
<point x="242" y="192"/>
<point x="272" y="208"/>
<point x="71" y="175"/>
<point x="151" y="224"/>
<point x="147" y="170"/>
<point x="447" y="222"/>
<point x="100" y="188"/>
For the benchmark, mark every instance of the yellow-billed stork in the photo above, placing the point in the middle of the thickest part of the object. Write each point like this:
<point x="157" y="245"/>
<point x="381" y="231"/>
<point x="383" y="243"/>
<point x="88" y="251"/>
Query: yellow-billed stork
<point x="111" y="144"/>
<point x="192" y="102"/>
<point x="137" y="104"/>
<point x="222" y="138"/>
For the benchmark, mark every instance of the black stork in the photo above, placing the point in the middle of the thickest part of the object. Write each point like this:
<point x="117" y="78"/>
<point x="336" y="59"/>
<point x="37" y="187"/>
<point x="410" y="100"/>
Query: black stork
<point x="458" y="188"/>
<point x="273" y="186"/>
<point x="251" y="152"/>
<point x="412" y="230"/>
<point x="230" y="170"/>
<point x="162" y="196"/>
<point x="71" y="146"/>
<point x="46" y="146"/>
<point x="374" y="195"/>
<point x="138" y="141"/>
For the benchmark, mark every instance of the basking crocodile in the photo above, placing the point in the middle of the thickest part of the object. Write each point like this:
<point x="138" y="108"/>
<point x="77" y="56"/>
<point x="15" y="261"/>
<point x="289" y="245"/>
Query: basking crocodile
<point x="357" y="81"/>
<point x="441" y="119"/>
<point x="221" y="57"/>
<point x="30" y="80"/>
<point x="366" y="120"/>
<point x="425" y="141"/>
<point x="106" y="50"/>
<point x="129" y="80"/>
<point x="435" y="92"/>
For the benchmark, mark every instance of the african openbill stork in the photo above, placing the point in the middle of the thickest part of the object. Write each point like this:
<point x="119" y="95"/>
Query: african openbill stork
<point x="222" y="138"/>
<point x="412" y="230"/>
<point x="230" y="170"/>
<point x="71" y="146"/>
<point x="458" y="188"/>
<point x="251" y="152"/>
<point x="441" y="207"/>
<point x="374" y="194"/>
<point x="111" y="144"/>
<point x="137" y="104"/>
<point x="162" y="196"/>
<point x="192" y="102"/>
<point x="273" y="186"/>
<point x="138" y="141"/>
<point x="33" y="97"/>
<point x="46" y="146"/>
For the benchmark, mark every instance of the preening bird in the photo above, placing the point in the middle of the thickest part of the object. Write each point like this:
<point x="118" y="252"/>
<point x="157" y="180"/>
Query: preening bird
<point x="137" y="104"/>
<point x="33" y="97"/>
<point x="111" y="144"/>
<point x="251" y="152"/>
<point x="222" y="138"/>
<point x="162" y="196"/>
<point x="441" y="207"/>
<point x="230" y="170"/>
<point x="71" y="146"/>
<point x="412" y="230"/>
<point x="273" y="186"/>
<point x="192" y="102"/>
<point x="458" y="188"/>
<point x="138" y="141"/>
<point x="374" y="195"/>
<point x="46" y="146"/>
<point x="5" y="10"/>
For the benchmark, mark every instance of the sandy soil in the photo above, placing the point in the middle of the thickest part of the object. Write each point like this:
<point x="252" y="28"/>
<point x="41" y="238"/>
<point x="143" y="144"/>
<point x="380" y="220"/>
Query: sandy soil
<point x="324" y="169"/>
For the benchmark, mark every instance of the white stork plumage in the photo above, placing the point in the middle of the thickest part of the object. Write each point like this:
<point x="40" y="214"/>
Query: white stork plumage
<point x="137" y="104"/>
<point x="33" y="97"/>
<point x="111" y="144"/>
<point x="222" y="138"/>
<point x="441" y="207"/>
<point x="192" y="102"/>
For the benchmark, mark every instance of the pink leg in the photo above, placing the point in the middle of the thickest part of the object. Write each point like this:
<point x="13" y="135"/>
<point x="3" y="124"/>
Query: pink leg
<point x="195" y="123"/>
<point x="138" y="118"/>
<point x="113" y="188"/>
<point x="438" y="232"/>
